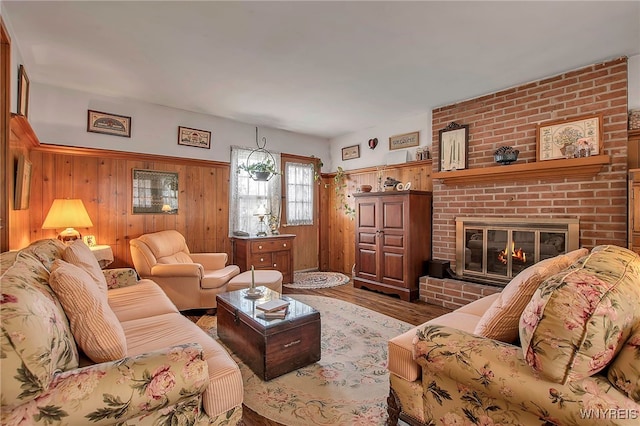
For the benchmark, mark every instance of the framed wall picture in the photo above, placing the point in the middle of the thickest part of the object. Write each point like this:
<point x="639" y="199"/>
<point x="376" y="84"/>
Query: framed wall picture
<point x="406" y="140"/>
<point x="194" y="137"/>
<point x="454" y="147"/>
<point x="23" y="184"/>
<point x="109" y="124"/>
<point x="569" y="137"/>
<point x="351" y="152"/>
<point x="23" y="92"/>
<point x="154" y="192"/>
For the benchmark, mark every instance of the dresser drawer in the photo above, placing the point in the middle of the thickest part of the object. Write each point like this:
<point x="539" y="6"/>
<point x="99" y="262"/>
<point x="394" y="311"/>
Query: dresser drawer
<point x="269" y="246"/>
<point x="264" y="260"/>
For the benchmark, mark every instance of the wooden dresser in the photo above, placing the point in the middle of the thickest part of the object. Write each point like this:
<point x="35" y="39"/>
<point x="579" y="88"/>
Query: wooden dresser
<point x="273" y="252"/>
<point x="393" y="240"/>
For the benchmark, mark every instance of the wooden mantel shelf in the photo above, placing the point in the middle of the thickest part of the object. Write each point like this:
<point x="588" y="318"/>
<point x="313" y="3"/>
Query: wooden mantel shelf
<point x="586" y="166"/>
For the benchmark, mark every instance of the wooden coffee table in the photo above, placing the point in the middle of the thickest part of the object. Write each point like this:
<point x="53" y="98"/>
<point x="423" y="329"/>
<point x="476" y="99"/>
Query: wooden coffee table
<point x="274" y="347"/>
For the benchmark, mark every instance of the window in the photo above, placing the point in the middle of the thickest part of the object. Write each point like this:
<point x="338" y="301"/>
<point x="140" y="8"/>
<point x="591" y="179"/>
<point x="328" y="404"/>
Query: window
<point x="249" y="197"/>
<point x="299" y="182"/>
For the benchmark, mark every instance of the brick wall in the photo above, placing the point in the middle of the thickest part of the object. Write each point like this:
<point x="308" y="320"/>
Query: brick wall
<point x="509" y="117"/>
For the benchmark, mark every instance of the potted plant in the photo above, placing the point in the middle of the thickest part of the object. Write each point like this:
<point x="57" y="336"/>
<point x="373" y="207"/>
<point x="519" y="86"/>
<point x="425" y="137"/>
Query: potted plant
<point x="260" y="171"/>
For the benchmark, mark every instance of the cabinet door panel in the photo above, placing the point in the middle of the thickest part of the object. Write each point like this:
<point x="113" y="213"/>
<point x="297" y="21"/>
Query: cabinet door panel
<point x="393" y="269"/>
<point x="366" y="238"/>
<point x="393" y="215"/>
<point x="367" y="214"/>
<point x="367" y="265"/>
<point x="636" y="208"/>
<point x="280" y="260"/>
<point x="393" y="240"/>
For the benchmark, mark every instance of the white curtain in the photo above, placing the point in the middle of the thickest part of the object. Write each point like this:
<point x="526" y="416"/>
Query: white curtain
<point x="299" y="181"/>
<point x="247" y="195"/>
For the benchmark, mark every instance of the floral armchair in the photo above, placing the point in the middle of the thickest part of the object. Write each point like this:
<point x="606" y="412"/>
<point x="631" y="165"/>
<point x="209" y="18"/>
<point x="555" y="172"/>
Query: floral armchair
<point x="577" y="360"/>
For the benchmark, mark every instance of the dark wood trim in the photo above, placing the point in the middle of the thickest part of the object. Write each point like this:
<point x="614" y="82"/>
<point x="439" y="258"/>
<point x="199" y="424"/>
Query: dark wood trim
<point x="5" y="106"/>
<point x="125" y="155"/>
<point x="375" y="168"/>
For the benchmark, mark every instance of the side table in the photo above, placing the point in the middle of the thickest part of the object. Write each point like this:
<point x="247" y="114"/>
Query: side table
<point x="103" y="254"/>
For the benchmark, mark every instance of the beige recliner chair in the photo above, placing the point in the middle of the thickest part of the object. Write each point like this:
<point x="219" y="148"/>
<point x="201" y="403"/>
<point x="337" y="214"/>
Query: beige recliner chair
<point x="191" y="280"/>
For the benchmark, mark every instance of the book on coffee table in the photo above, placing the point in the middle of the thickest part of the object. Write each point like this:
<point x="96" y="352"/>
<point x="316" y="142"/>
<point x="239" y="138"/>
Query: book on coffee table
<point x="273" y="305"/>
<point x="279" y="314"/>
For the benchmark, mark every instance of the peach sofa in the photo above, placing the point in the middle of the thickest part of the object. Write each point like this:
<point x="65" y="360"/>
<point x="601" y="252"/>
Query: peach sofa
<point x="560" y="345"/>
<point x="85" y="346"/>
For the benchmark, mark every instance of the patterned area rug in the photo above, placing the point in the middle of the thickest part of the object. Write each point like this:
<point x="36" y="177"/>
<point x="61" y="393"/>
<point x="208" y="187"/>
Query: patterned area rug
<point x="350" y="383"/>
<point x="317" y="280"/>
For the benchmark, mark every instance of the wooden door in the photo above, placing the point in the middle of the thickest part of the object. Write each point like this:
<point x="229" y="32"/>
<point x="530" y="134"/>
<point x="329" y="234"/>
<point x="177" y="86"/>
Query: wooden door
<point x="393" y="261"/>
<point x="367" y="231"/>
<point x="307" y="236"/>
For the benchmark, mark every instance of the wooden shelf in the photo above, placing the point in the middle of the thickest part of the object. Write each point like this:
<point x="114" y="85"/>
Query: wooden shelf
<point x="20" y="130"/>
<point x="587" y="166"/>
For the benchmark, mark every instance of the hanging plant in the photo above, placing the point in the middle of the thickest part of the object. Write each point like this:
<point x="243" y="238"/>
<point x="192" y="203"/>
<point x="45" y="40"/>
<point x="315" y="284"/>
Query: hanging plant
<point x="260" y="171"/>
<point x="316" y="170"/>
<point x="340" y="180"/>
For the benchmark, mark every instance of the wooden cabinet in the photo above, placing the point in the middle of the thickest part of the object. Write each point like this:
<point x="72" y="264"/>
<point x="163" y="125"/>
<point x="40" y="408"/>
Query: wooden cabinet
<point x="393" y="240"/>
<point x="274" y="252"/>
<point x="633" y="235"/>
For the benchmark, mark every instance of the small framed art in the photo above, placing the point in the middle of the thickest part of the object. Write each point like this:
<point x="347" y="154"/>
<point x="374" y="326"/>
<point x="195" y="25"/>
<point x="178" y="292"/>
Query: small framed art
<point x="23" y="92"/>
<point x="454" y="147"/>
<point x="563" y="138"/>
<point x="194" y="137"/>
<point x="109" y="124"/>
<point x="351" y="152"/>
<point x="406" y="140"/>
<point x="23" y="184"/>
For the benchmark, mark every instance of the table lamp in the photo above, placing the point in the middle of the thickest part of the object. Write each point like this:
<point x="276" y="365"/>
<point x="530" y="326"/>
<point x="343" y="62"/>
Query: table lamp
<point x="261" y="213"/>
<point x="67" y="214"/>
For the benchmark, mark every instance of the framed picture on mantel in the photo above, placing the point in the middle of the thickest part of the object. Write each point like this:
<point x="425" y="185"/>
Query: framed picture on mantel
<point x="570" y="138"/>
<point x="454" y="147"/>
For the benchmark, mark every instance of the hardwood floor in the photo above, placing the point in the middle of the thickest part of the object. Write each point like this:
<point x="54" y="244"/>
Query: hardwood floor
<point x="412" y="312"/>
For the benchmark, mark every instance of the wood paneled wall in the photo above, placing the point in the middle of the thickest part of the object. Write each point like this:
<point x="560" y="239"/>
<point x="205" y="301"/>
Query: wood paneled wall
<point x="102" y="179"/>
<point x="21" y="141"/>
<point x="337" y="235"/>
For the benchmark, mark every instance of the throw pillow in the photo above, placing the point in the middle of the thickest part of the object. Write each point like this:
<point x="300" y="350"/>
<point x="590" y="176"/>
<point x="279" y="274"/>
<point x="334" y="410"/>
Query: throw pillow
<point x="578" y="319"/>
<point x="95" y="327"/>
<point x="79" y="254"/>
<point x="624" y="372"/>
<point x="500" y="321"/>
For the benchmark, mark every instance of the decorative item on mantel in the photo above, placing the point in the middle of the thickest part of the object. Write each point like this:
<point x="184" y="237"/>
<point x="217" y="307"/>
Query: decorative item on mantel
<point x="506" y="155"/>
<point x="634" y="119"/>
<point x="390" y="184"/>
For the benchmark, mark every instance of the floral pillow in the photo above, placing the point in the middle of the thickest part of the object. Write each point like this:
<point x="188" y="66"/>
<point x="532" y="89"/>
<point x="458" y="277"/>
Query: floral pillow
<point x="500" y="321"/>
<point x="578" y="319"/>
<point x="624" y="372"/>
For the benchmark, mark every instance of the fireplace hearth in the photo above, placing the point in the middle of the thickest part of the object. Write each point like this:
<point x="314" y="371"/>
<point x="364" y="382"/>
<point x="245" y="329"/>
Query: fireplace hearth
<point x="492" y="250"/>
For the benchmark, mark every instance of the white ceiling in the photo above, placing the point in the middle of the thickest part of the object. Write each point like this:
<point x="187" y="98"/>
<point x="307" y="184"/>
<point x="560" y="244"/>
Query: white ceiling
<point x="321" y="68"/>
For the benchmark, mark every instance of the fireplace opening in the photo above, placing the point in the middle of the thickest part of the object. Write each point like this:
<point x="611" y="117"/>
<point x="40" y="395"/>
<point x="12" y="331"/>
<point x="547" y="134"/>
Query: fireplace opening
<point x="494" y="250"/>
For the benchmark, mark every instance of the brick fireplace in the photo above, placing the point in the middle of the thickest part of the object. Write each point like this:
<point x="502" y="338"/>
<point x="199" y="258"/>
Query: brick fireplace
<point x="493" y="250"/>
<point x="509" y="118"/>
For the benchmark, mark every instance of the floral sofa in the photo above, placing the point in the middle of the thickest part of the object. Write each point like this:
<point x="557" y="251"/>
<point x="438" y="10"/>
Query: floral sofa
<point x="560" y="345"/>
<point x="83" y="346"/>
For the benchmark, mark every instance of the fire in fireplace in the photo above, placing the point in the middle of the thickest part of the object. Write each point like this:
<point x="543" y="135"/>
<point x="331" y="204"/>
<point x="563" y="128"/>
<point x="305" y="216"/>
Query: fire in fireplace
<point x="493" y="250"/>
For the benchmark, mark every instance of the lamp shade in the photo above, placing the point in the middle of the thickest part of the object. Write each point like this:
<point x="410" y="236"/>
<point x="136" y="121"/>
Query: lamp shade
<point x="67" y="214"/>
